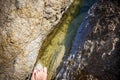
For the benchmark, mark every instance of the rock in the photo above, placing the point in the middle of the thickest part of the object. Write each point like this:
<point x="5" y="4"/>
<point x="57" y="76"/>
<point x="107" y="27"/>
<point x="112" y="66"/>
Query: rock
<point x="95" y="53"/>
<point x="23" y="27"/>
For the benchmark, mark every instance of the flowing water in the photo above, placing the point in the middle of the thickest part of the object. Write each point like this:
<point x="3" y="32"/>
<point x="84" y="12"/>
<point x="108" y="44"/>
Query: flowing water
<point x="59" y="42"/>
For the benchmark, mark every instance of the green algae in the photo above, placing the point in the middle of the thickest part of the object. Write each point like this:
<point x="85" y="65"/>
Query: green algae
<point x="59" y="41"/>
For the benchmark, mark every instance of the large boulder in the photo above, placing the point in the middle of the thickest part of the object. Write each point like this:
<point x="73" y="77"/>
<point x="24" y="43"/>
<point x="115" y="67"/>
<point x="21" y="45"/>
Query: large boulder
<point x="24" y="25"/>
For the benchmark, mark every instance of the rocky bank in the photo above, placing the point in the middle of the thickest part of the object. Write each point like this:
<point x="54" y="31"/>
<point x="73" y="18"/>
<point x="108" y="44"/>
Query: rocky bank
<point x="24" y="24"/>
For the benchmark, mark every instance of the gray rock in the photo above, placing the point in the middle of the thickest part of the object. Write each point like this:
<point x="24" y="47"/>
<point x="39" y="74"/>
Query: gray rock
<point x="24" y="25"/>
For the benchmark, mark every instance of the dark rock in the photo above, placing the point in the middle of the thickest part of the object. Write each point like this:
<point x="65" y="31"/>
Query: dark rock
<point x="95" y="53"/>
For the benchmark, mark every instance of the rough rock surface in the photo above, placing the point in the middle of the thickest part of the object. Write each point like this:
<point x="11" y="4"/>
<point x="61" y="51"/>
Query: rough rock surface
<point x="95" y="53"/>
<point x="23" y="26"/>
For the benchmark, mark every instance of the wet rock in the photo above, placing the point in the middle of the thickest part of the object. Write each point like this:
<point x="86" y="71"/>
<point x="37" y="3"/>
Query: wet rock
<point x="23" y="27"/>
<point x="95" y="53"/>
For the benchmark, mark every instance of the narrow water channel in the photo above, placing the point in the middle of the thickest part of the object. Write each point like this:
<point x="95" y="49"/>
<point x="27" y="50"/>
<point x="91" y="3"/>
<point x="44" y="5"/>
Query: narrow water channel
<point x="58" y="43"/>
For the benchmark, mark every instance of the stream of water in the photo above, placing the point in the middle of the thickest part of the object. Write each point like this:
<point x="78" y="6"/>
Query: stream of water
<point x="81" y="36"/>
<point x="84" y="28"/>
<point x="58" y="43"/>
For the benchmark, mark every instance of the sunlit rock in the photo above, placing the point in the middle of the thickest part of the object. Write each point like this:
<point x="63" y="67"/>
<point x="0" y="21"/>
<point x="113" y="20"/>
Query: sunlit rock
<point x="24" y="24"/>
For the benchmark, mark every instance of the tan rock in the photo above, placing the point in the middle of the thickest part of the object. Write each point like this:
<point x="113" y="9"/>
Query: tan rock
<point x="24" y="24"/>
